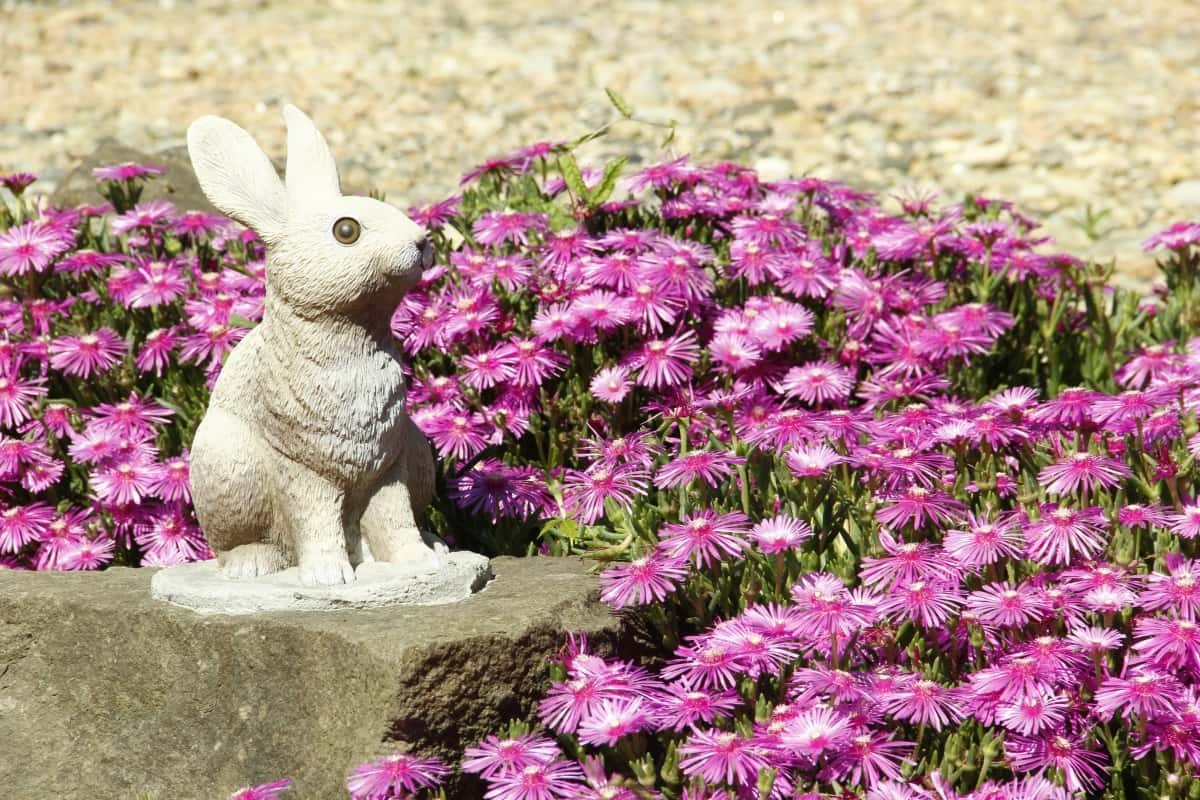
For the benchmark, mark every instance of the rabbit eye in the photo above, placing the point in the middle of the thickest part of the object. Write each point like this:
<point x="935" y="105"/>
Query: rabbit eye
<point x="347" y="230"/>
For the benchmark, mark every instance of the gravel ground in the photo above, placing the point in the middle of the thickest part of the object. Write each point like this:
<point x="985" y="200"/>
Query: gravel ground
<point x="1058" y="105"/>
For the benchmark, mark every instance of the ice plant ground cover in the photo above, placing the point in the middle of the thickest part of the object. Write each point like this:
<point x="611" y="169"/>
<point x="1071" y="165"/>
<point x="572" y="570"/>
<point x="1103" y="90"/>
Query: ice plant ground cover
<point x="905" y="504"/>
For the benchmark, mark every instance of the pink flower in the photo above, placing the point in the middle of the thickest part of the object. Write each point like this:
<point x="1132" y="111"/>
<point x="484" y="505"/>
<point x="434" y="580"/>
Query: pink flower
<point x="780" y="534"/>
<point x="818" y="383"/>
<point x="706" y="537"/>
<point x="919" y="507"/>
<point x="127" y="482"/>
<point x="1063" y="533"/>
<point x="1086" y="471"/>
<point x="126" y="171"/>
<point x="644" y="580"/>
<point x="922" y="702"/>
<point x="722" y="757"/>
<point x="556" y="780"/>
<point x="1033" y="714"/>
<point x="681" y="706"/>
<point x="86" y="554"/>
<point x="20" y="525"/>
<point x="984" y="541"/>
<point x="709" y="466"/>
<point x="16" y="395"/>
<point x="87" y="354"/>
<point x="1082" y="768"/>
<point x="611" y="384"/>
<point x="816" y="730"/>
<point x="494" y="756"/>
<point x="584" y="492"/>
<point x="1186" y="524"/>
<point x="1002" y="604"/>
<point x="612" y="719"/>
<point x="734" y="351"/>
<point x="813" y="460"/>
<point x="501" y="227"/>
<point x="664" y="362"/>
<point x="30" y="247"/>
<point x="1147" y="693"/>
<point x="398" y="772"/>
<point x="456" y="434"/>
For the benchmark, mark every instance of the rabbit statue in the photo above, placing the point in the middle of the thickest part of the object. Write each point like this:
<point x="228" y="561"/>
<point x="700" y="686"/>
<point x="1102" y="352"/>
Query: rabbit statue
<point x="306" y="456"/>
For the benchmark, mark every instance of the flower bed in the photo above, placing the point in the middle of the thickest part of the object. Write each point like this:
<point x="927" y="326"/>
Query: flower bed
<point x="903" y="503"/>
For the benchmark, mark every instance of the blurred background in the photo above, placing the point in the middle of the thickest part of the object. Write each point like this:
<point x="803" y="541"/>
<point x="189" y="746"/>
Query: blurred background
<point x="1086" y="114"/>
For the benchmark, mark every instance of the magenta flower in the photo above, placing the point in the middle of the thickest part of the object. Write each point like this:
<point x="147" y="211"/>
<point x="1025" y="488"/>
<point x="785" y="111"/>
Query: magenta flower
<point x="584" y="492"/>
<point x="818" y="383"/>
<point x="264" y="791"/>
<point x="813" y="460"/>
<point x="86" y="554"/>
<point x="145" y="215"/>
<point x="710" y="467"/>
<point x="30" y="247"/>
<point x="929" y="603"/>
<point x="392" y="774"/>
<point x="503" y="227"/>
<point x="906" y="562"/>
<point x="1147" y="693"/>
<point x="127" y="482"/>
<point x="17" y="182"/>
<point x="1178" y="590"/>
<point x="919" y="507"/>
<point x="722" y="757"/>
<point x="16" y="396"/>
<point x="20" y="525"/>
<point x="984" y="541"/>
<point x="705" y="537"/>
<point x="1178" y="236"/>
<point x="1003" y="605"/>
<point x="494" y="755"/>
<point x="612" y="719"/>
<point x="869" y="758"/>
<point x="126" y="171"/>
<point x="923" y="702"/>
<point x="1033" y="714"/>
<point x="681" y="706"/>
<point x="455" y="434"/>
<point x="90" y="353"/>
<point x="780" y="534"/>
<point x="1082" y="768"/>
<point x="1168" y="644"/>
<point x="1063" y="533"/>
<point x="611" y="384"/>
<point x="556" y="780"/>
<point x="1082" y="471"/>
<point x="665" y="362"/>
<point x="644" y="580"/>
<point x="1186" y="524"/>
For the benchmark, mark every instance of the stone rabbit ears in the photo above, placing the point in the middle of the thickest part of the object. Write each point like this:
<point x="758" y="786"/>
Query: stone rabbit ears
<point x="239" y="179"/>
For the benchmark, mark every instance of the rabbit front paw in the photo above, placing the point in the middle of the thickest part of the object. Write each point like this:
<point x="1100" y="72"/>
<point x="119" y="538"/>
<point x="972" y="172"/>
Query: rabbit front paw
<point x="326" y="571"/>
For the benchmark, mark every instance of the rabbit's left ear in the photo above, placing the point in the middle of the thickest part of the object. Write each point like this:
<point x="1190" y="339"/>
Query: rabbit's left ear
<point x="312" y="176"/>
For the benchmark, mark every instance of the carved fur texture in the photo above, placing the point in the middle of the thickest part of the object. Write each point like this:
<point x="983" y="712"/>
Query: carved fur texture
<point x="305" y="456"/>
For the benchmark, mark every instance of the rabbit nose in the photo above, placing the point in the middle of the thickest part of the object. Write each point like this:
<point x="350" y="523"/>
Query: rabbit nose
<point x="425" y="248"/>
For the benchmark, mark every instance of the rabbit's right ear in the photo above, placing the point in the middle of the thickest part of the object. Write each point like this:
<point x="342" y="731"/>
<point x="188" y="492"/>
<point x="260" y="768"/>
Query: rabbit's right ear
<point x="237" y="177"/>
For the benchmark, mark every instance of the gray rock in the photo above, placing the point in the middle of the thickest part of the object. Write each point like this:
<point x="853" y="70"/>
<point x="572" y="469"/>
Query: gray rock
<point x="448" y="578"/>
<point x="106" y="692"/>
<point x="178" y="185"/>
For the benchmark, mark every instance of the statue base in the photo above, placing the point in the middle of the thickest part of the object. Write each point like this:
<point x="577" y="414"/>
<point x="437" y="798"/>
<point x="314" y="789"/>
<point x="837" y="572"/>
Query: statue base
<point x="440" y="579"/>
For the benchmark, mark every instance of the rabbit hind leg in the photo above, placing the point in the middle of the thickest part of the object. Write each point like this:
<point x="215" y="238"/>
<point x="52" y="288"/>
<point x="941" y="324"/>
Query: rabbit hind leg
<point x="231" y="498"/>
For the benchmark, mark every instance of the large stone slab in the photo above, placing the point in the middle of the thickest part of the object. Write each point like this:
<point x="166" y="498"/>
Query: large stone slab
<point x="106" y="692"/>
